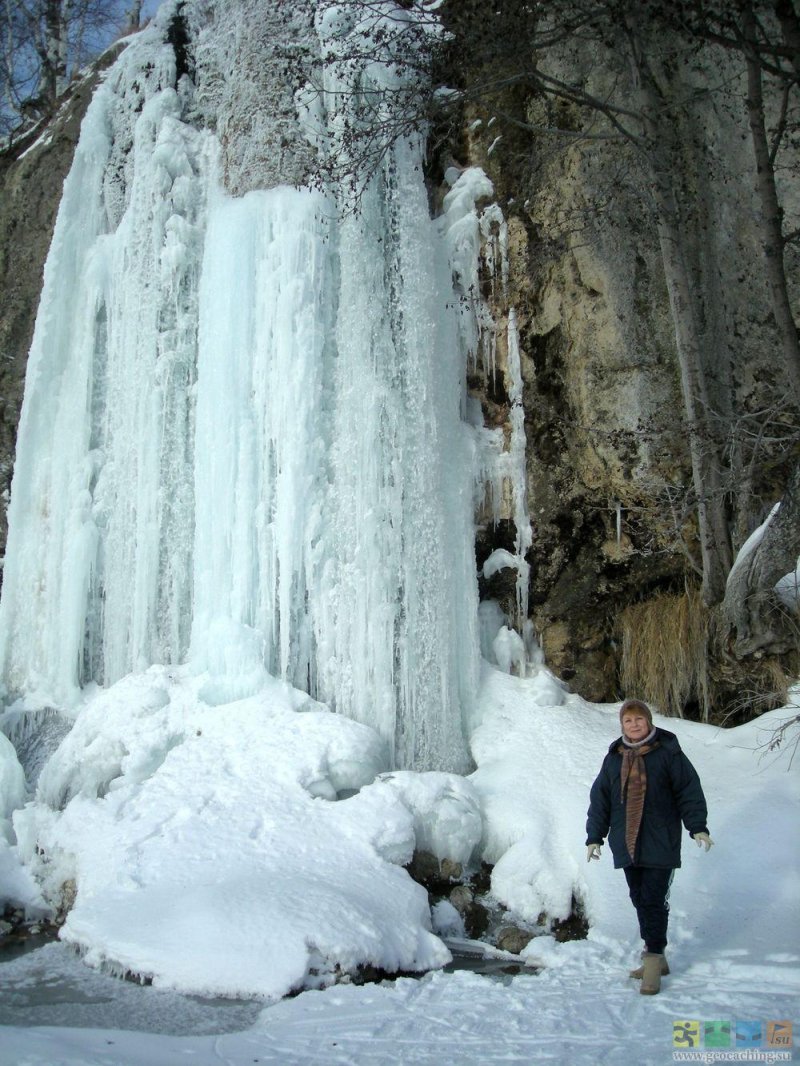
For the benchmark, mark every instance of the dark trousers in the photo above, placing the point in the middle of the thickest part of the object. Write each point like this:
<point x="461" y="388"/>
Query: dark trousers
<point x="649" y="889"/>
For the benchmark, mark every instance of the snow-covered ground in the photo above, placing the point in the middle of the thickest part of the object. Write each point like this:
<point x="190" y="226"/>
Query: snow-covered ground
<point x="585" y="1012"/>
<point x="167" y="889"/>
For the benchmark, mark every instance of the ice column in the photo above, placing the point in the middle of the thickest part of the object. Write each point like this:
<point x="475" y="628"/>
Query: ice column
<point x="267" y="325"/>
<point x="98" y="576"/>
<point x="333" y="479"/>
<point x="397" y="622"/>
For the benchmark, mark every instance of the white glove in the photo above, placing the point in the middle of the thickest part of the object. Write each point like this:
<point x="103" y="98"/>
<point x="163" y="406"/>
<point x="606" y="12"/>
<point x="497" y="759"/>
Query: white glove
<point x="592" y="852"/>
<point x="703" y="840"/>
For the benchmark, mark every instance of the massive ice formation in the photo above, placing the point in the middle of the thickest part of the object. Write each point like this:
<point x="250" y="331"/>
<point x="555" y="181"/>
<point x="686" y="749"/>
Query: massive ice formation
<point x="242" y="441"/>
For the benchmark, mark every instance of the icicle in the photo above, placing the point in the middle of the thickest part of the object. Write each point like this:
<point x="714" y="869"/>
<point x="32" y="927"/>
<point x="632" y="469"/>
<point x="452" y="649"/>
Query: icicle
<point x="501" y="471"/>
<point x="517" y="470"/>
<point x="266" y="319"/>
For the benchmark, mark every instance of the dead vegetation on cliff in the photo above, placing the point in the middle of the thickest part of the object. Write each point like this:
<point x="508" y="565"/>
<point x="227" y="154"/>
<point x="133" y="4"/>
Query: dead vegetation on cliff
<point x="674" y="654"/>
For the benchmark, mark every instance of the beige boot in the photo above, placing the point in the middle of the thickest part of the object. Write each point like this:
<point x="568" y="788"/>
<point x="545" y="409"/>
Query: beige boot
<point x="652" y="967"/>
<point x="638" y="973"/>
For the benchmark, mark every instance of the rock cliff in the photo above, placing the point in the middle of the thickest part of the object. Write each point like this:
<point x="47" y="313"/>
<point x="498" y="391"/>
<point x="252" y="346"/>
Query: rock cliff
<point x="615" y="559"/>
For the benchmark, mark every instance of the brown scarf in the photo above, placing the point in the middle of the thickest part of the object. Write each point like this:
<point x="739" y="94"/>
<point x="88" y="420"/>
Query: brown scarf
<point x="633" y="774"/>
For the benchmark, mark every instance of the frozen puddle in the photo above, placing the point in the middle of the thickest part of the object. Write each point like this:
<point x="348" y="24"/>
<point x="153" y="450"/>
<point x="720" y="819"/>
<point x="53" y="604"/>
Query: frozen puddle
<point x="50" y="985"/>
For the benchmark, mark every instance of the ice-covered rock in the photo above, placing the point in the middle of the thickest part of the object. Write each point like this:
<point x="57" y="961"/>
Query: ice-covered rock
<point x="17" y="886"/>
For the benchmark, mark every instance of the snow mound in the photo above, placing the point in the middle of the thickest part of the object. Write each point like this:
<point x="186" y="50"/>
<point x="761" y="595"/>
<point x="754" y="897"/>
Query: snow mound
<point x="533" y="777"/>
<point x="12" y="784"/>
<point x="446" y="811"/>
<point x="446" y="920"/>
<point x="205" y="849"/>
<point x="18" y="889"/>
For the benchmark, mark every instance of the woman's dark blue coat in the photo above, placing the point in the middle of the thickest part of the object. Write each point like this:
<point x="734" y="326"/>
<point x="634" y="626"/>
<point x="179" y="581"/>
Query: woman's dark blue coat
<point x="673" y="795"/>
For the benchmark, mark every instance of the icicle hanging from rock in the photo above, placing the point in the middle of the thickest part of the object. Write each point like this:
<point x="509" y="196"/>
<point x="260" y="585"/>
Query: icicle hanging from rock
<point x="477" y="235"/>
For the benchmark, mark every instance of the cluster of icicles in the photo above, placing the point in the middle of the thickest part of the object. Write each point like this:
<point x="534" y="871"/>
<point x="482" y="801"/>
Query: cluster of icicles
<point x="245" y="440"/>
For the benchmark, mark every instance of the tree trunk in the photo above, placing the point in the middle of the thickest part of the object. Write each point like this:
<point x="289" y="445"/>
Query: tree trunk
<point x="713" y="532"/>
<point x="53" y="78"/>
<point x="134" y="16"/>
<point x="790" y="29"/>
<point x="706" y="475"/>
<point x="770" y="222"/>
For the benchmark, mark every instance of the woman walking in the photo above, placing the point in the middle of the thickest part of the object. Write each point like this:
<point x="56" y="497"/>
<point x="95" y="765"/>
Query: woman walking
<point x="645" y="789"/>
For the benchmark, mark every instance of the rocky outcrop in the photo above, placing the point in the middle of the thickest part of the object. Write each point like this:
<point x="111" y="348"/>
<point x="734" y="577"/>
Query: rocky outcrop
<point x="609" y="471"/>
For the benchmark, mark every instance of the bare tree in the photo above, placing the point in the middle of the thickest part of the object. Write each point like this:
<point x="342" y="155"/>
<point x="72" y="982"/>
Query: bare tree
<point x="133" y="18"/>
<point x="43" y="43"/>
<point x="767" y="36"/>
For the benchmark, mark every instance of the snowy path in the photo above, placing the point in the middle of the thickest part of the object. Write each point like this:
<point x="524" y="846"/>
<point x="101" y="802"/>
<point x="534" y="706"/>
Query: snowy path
<point x="583" y="1011"/>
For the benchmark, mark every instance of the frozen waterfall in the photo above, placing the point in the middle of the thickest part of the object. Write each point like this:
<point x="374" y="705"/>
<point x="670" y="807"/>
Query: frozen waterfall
<point x="242" y="443"/>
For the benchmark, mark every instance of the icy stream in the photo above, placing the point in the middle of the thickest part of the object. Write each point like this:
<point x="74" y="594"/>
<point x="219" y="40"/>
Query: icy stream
<point x="50" y="985"/>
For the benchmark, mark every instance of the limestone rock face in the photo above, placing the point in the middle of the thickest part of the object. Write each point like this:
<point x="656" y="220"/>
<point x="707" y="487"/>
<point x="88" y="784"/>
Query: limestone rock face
<point x="609" y="473"/>
<point x="602" y="402"/>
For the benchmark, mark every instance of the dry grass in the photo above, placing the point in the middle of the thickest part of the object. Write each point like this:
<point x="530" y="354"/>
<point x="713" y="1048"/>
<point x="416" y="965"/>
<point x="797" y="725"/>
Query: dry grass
<point x="744" y="696"/>
<point x="665" y="644"/>
<point x="674" y="654"/>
